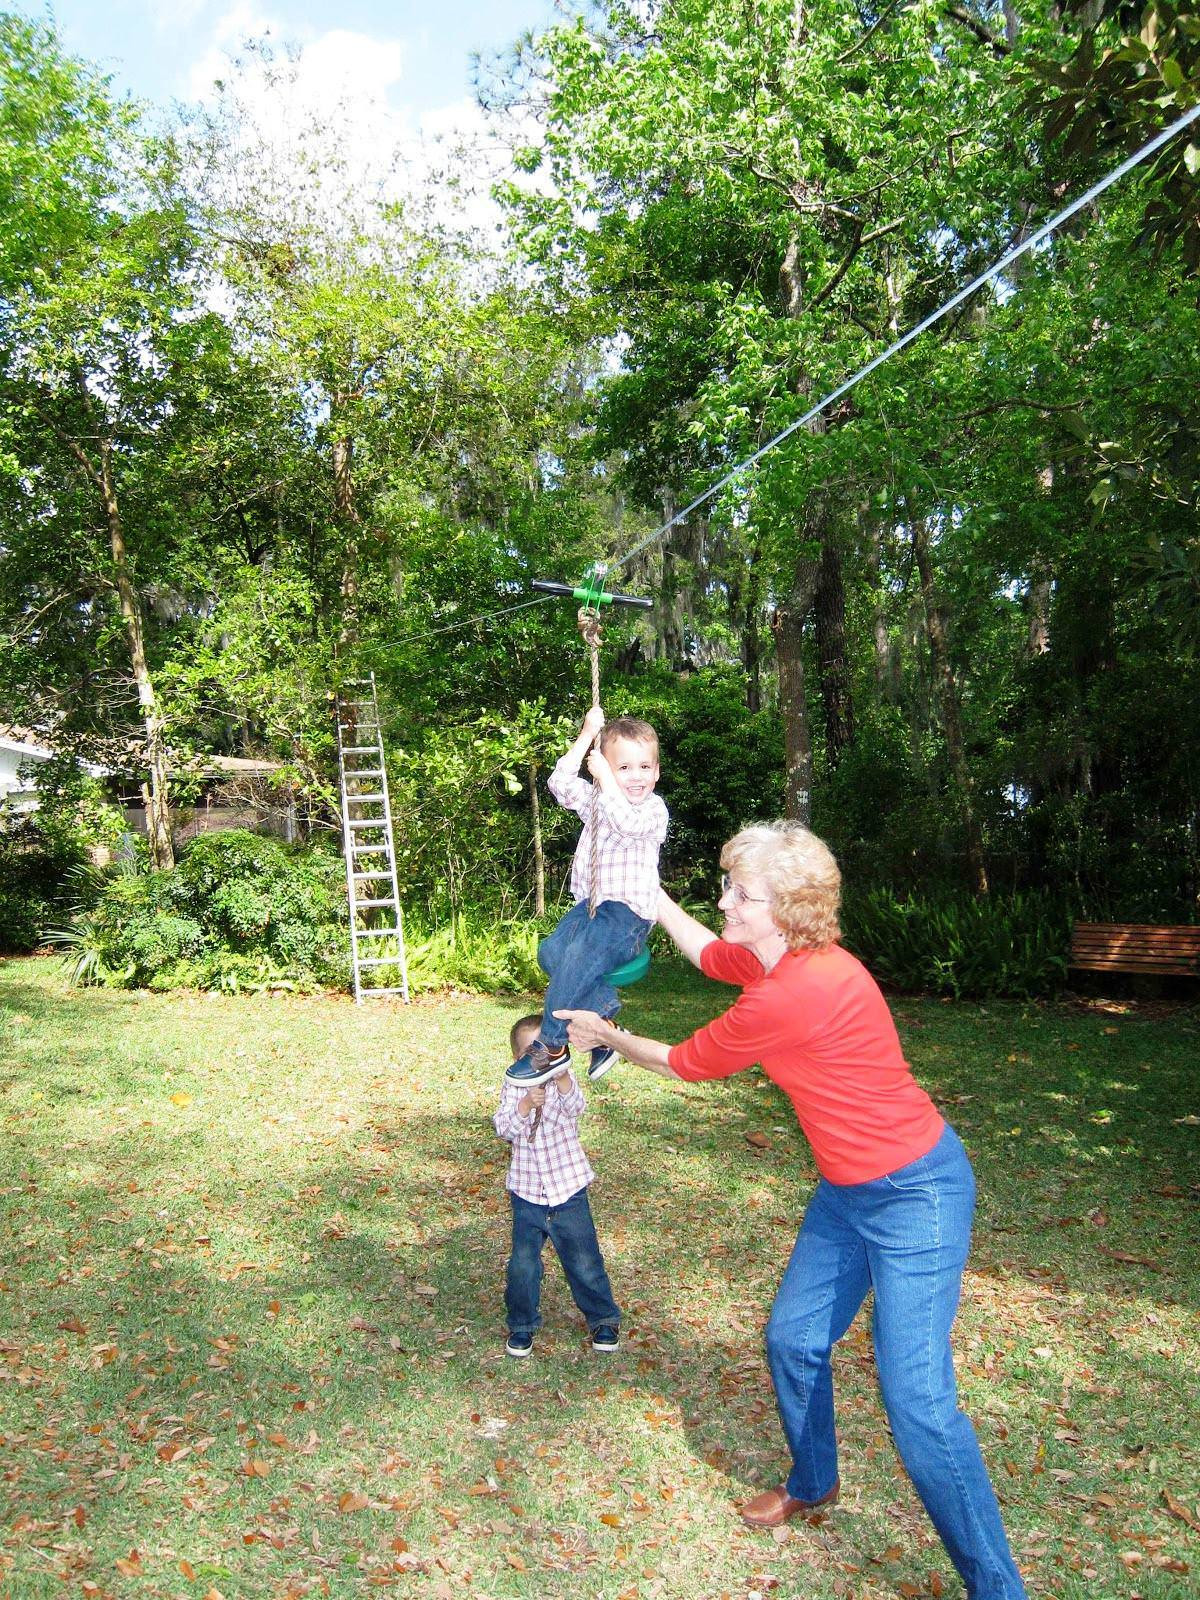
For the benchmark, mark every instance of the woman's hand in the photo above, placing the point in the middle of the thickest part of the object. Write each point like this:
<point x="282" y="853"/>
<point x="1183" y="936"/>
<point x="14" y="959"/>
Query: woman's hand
<point x="588" y="1030"/>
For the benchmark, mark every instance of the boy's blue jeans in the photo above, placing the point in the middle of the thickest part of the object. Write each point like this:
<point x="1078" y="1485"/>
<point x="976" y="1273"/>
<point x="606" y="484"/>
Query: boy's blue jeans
<point x="570" y="1229"/>
<point x="906" y="1236"/>
<point x="576" y="957"/>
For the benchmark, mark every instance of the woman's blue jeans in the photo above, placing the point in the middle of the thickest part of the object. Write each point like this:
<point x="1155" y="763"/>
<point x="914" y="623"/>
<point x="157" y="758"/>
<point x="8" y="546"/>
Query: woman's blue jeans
<point x="906" y="1236"/>
<point x="570" y="1229"/>
<point x="579" y="954"/>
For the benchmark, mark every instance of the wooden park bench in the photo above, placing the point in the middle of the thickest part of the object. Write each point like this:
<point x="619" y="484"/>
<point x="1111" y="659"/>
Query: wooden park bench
<point x="1136" y="947"/>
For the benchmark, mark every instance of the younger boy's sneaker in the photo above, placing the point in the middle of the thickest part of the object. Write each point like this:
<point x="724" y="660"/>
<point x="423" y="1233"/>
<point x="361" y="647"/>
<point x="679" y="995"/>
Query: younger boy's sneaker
<point x="537" y="1065"/>
<point x="605" y="1338"/>
<point x="519" y="1344"/>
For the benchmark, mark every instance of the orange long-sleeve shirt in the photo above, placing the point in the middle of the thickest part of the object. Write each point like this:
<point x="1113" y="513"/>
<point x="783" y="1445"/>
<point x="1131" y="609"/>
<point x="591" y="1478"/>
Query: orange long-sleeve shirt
<point x="822" y="1031"/>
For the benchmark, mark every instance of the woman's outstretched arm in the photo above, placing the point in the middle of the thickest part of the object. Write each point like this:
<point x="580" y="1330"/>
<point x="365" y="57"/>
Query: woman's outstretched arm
<point x="690" y="935"/>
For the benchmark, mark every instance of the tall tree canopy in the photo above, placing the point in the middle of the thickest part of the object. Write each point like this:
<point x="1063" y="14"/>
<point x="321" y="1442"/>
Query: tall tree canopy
<point x="762" y="197"/>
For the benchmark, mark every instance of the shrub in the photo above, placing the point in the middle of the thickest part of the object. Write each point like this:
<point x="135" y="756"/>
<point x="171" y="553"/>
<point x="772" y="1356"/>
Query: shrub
<point x="35" y="864"/>
<point x="474" y="955"/>
<point x="1016" y="945"/>
<point x="240" y="910"/>
<point x="244" y="912"/>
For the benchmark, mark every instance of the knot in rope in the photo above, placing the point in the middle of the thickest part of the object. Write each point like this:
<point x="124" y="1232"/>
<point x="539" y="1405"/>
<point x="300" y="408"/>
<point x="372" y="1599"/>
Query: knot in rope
<point x="591" y="632"/>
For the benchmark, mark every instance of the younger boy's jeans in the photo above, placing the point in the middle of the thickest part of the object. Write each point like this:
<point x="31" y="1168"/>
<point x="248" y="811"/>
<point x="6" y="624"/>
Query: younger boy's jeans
<point x="905" y="1236"/>
<point x="570" y="1229"/>
<point x="577" y="956"/>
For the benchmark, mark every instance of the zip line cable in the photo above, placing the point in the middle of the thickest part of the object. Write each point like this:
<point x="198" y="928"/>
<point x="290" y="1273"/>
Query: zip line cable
<point x="452" y="627"/>
<point x="997" y="267"/>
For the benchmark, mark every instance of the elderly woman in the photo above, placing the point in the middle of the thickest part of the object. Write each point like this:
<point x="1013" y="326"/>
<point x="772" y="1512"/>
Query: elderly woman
<point x="891" y="1212"/>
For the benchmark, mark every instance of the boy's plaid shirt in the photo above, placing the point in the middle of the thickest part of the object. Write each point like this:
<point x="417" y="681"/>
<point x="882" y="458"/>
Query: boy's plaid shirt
<point x="550" y="1166"/>
<point x="630" y="839"/>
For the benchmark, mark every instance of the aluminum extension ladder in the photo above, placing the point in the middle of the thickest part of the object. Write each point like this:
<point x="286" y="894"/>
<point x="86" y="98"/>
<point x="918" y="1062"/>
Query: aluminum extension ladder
<point x="369" y="847"/>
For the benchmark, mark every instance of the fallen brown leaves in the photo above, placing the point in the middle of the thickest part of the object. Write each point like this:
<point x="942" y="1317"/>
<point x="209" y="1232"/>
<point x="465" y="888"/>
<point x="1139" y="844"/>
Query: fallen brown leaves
<point x="130" y="1566"/>
<point x="1130" y="1260"/>
<point x="1178" y="1509"/>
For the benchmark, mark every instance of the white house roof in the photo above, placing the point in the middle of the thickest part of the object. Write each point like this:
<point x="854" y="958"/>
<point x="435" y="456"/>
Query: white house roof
<point x="24" y="742"/>
<point x="27" y="743"/>
<point x="30" y="745"/>
<point x="244" y="765"/>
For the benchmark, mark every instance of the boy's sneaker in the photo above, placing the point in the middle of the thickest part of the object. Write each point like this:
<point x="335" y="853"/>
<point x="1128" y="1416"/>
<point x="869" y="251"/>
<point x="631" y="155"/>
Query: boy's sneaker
<point x="519" y="1344"/>
<point x="537" y="1065"/>
<point x="603" y="1057"/>
<point x="605" y="1338"/>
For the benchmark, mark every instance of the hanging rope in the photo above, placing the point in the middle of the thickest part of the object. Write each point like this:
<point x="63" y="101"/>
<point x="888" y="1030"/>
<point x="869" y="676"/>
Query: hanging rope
<point x="591" y="633"/>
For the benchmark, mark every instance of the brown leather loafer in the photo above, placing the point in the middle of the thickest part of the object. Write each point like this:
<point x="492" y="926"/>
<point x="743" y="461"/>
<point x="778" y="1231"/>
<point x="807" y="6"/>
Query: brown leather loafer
<point x="776" y="1506"/>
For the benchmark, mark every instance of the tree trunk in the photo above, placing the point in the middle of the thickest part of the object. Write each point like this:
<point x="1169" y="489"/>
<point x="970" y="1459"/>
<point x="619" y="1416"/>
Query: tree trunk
<point x="670" y="603"/>
<point x="742" y="588"/>
<point x="791" y="279"/>
<point x="752" y="646"/>
<point x="886" y="675"/>
<point x="539" y="859"/>
<point x="789" y="618"/>
<point x="829" y="616"/>
<point x="1086" y="634"/>
<point x="935" y="628"/>
<point x="919" y="714"/>
<point x="628" y="657"/>
<point x="752" y="653"/>
<point x="1040" y="586"/>
<point x="345" y="515"/>
<point x="1039" y="611"/>
<point x="788" y="625"/>
<point x="156" y="790"/>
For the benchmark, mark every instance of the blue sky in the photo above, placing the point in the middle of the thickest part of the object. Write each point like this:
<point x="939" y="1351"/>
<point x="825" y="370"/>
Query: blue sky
<point x="417" y="52"/>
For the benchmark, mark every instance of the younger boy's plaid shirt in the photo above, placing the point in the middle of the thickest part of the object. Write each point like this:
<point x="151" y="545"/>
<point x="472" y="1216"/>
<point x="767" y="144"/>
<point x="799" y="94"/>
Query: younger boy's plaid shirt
<point x="630" y="839"/>
<point x="549" y="1167"/>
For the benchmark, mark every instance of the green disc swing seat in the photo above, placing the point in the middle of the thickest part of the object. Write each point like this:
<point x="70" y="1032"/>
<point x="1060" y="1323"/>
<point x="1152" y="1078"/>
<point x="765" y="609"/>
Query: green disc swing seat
<point x="631" y="971"/>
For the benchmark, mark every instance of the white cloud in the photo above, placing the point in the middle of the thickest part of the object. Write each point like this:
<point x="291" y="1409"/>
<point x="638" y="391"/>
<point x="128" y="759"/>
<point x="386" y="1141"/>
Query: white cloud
<point x="332" y="67"/>
<point x="345" y="90"/>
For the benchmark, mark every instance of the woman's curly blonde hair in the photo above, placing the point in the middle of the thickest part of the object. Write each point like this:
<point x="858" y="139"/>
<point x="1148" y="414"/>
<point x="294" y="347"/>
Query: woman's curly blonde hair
<point x="801" y="876"/>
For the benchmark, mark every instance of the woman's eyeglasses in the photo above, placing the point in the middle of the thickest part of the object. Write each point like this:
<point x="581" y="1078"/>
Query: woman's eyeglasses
<point x="740" y="897"/>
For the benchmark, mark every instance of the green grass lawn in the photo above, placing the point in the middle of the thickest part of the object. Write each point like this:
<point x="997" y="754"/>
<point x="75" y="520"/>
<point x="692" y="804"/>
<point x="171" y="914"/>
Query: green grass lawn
<point x="251" y="1317"/>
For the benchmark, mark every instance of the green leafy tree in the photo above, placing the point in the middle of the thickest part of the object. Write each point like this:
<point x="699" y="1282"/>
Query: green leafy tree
<point x="107" y="362"/>
<point x="429" y="400"/>
<point x="1117" y="75"/>
<point x="761" y="194"/>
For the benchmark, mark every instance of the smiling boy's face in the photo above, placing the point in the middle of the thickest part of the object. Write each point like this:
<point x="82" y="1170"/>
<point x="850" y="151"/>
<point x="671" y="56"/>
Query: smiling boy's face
<point x="634" y="764"/>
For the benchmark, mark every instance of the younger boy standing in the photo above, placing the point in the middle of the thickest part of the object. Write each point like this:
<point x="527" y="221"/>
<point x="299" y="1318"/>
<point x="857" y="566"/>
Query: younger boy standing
<point x="548" y="1179"/>
<point x="619" y="874"/>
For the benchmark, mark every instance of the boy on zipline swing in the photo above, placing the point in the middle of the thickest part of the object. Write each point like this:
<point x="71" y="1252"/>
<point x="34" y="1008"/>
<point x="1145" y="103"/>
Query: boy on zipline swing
<point x="614" y="882"/>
